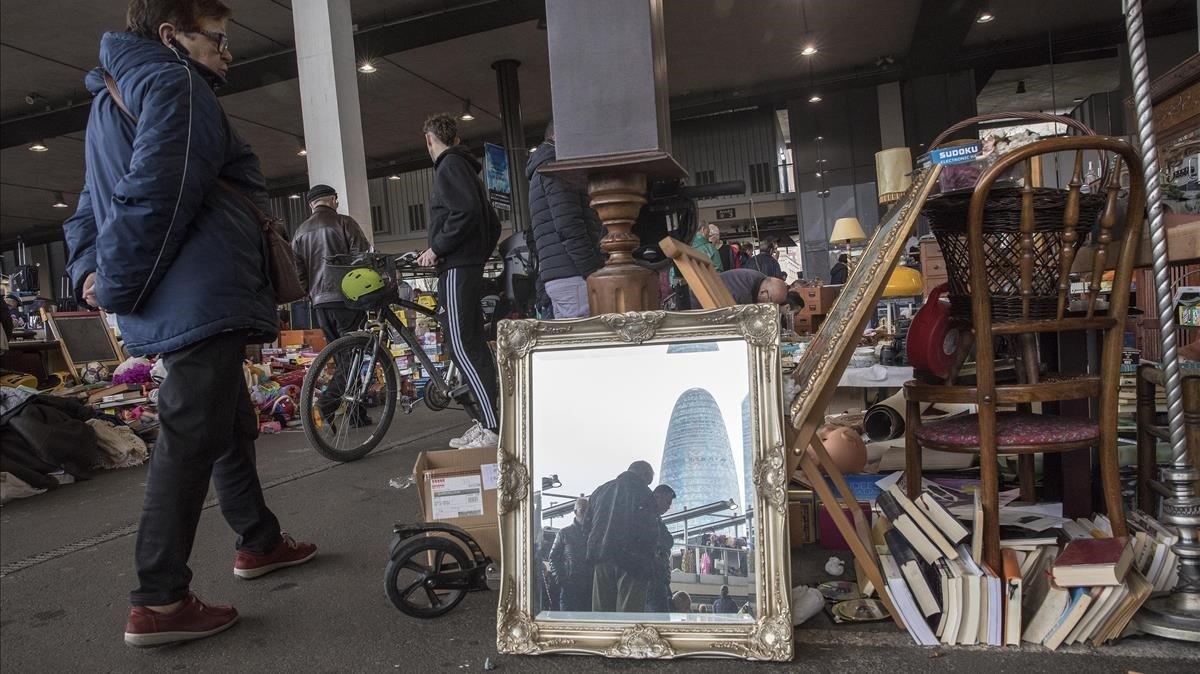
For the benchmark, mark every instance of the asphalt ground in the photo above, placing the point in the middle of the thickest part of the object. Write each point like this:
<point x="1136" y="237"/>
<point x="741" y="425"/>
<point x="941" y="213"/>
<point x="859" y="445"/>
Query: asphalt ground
<point x="66" y="568"/>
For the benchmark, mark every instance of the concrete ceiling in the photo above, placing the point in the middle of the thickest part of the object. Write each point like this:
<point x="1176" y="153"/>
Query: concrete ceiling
<point x="715" y="48"/>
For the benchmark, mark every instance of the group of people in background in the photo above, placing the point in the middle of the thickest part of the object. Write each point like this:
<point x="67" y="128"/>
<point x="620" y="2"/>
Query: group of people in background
<point x="616" y="555"/>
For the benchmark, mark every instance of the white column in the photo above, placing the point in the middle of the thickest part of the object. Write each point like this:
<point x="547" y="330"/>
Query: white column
<point x="329" y="101"/>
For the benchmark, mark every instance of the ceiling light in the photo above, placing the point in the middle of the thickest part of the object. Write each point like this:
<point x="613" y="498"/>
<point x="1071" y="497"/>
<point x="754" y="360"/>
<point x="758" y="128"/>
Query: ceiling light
<point x="294" y="196"/>
<point x="533" y="149"/>
<point x="394" y="176"/>
<point x="303" y="149"/>
<point x="302" y="152"/>
<point x="1021" y="87"/>
<point x="466" y="115"/>
<point x="59" y="202"/>
<point x="1077" y="100"/>
<point x="985" y="17"/>
<point x="367" y="67"/>
<point x="38" y="146"/>
<point x="808" y="51"/>
<point x="818" y="174"/>
<point x="819" y="138"/>
<point x="815" y="98"/>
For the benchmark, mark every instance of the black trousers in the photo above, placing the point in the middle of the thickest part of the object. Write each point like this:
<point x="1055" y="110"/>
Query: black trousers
<point x="208" y="427"/>
<point x="335" y="320"/>
<point x="459" y="294"/>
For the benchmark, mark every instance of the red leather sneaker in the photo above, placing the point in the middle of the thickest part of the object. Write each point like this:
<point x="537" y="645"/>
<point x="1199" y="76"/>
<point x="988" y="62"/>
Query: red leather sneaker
<point x="193" y="620"/>
<point x="287" y="553"/>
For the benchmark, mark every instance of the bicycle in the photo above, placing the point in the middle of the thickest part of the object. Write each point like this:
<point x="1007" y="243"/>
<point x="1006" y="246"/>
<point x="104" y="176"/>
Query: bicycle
<point x="356" y="374"/>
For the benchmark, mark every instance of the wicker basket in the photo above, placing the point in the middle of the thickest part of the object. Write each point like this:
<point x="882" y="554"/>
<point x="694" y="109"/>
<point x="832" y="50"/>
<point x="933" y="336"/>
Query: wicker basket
<point x="947" y="215"/>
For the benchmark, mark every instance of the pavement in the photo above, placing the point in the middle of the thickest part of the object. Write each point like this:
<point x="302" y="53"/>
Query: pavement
<point x="66" y="568"/>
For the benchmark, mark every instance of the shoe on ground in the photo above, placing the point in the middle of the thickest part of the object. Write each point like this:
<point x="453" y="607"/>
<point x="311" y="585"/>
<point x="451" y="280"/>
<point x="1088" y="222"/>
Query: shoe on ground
<point x="287" y="553"/>
<point x="468" y="437"/>
<point x="485" y="438"/>
<point x="193" y="620"/>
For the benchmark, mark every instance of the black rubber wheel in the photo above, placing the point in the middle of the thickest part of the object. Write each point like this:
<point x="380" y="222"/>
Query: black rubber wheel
<point x="338" y="428"/>
<point x="415" y="562"/>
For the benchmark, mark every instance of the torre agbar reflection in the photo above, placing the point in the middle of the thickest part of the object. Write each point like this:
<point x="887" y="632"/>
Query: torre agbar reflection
<point x="697" y="459"/>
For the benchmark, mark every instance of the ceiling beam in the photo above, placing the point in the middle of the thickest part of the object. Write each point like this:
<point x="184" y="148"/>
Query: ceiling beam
<point x="942" y="27"/>
<point x="374" y="42"/>
<point x="1089" y="42"/>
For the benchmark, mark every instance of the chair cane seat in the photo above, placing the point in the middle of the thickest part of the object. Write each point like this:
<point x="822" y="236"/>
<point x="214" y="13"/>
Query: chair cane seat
<point x="1016" y="431"/>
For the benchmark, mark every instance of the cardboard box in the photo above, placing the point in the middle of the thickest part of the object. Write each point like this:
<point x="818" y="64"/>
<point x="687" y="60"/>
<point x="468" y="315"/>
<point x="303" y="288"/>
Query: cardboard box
<point x="802" y="517"/>
<point x="444" y="482"/>
<point x="315" y="339"/>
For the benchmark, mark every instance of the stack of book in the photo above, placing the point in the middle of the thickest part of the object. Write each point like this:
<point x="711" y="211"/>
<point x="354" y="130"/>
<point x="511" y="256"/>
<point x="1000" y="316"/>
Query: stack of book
<point x="119" y="395"/>
<point x="1089" y="594"/>
<point x="1127" y="396"/>
<point x="945" y="594"/>
<point x="1152" y="553"/>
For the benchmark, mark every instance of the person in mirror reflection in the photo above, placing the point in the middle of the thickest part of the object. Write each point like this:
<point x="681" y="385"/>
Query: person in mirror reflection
<point x="839" y="271"/>
<point x="568" y="563"/>
<point x="681" y="602"/>
<point x="725" y="603"/>
<point x="623" y="529"/>
<point x="658" y="597"/>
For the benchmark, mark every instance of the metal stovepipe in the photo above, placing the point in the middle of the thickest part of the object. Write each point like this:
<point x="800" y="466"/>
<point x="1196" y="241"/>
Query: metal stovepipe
<point x="1177" y="615"/>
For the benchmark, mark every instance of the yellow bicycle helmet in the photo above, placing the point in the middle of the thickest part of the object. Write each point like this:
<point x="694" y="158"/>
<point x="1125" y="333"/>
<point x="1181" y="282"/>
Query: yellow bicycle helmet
<point x="365" y="288"/>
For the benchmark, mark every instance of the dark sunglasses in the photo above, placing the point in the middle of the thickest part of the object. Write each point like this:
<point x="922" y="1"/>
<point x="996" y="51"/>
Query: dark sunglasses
<point x="221" y="39"/>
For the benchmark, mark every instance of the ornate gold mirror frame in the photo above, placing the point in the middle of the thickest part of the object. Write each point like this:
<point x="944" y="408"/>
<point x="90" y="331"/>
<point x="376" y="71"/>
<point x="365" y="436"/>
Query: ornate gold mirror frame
<point x="769" y="636"/>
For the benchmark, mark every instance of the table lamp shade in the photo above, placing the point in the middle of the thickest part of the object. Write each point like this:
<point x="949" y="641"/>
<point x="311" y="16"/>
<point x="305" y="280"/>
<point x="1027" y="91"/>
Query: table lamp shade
<point x="847" y="231"/>
<point x="893" y="173"/>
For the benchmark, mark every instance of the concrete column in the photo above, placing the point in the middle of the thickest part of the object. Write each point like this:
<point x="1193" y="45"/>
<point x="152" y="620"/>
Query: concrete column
<point x="329" y="100"/>
<point x="509" y="89"/>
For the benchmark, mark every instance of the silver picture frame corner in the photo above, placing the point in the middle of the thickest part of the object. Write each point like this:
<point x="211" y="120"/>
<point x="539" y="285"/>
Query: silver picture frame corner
<point x="518" y="632"/>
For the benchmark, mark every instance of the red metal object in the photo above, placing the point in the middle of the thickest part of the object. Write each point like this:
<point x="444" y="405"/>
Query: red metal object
<point x="932" y="342"/>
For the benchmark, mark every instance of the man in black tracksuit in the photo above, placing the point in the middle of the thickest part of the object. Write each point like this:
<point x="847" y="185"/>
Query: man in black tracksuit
<point x="463" y="232"/>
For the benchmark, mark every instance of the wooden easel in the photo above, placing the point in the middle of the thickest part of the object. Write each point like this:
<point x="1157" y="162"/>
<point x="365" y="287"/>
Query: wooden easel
<point x="825" y="360"/>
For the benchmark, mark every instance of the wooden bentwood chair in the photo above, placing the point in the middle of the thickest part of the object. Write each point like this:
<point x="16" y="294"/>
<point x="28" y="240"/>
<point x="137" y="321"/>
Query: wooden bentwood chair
<point x="1016" y="284"/>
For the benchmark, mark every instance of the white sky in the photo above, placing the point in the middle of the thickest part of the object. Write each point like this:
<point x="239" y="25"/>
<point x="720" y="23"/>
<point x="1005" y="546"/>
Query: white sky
<point x="597" y="410"/>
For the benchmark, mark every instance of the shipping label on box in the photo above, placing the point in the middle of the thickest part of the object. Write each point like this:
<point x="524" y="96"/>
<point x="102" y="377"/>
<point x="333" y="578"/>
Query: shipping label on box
<point x="456" y="496"/>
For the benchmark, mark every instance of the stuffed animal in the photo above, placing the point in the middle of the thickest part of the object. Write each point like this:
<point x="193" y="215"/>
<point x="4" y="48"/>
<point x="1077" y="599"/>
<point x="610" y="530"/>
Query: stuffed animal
<point x="94" y="373"/>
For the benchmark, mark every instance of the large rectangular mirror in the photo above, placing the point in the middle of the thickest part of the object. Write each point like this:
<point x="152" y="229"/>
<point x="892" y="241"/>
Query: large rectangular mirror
<point x="651" y="515"/>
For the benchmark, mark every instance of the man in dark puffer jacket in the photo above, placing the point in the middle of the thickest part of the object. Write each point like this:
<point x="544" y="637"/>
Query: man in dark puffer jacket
<point x="566" y="233"/>
<point x="182" y="263"/>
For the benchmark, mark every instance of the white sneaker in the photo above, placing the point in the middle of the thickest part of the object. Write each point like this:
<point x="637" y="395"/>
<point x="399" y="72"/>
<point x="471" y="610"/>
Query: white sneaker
<point x="469" y="436"/>
<point x="485" y="438"/>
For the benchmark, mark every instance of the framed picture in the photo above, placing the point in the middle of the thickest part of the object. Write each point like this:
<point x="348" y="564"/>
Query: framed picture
<point x="642" y="487"/>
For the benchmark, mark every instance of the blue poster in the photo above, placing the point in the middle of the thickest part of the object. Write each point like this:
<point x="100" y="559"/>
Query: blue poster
<point x="495" y="170"/>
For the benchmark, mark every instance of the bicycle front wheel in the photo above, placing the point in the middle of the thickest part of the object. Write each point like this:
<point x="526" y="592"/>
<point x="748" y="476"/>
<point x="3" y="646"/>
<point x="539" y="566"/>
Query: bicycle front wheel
<point x="349" y="398"/>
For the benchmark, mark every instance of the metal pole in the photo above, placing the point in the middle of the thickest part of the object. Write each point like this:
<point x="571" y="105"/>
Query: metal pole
<point x="509" y="90"/>
<point x="1176" y="616"/>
